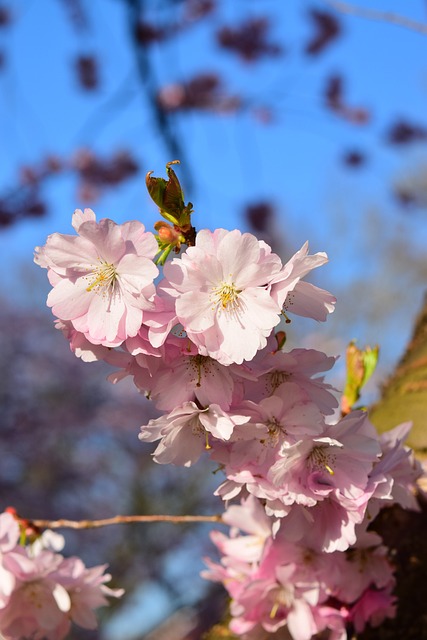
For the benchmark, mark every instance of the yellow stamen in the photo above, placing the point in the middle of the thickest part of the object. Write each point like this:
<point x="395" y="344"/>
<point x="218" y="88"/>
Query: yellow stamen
<point x="100" y="280"/>
<point x="287" y="319"/>
<point x="320" y="457"/>
<point x="207" y="445"/>
<point x="227" y="296"/>
<point x="105" y="277"/>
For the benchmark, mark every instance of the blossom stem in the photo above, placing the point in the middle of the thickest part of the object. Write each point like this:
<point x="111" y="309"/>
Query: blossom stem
<point x="93" y="524"/>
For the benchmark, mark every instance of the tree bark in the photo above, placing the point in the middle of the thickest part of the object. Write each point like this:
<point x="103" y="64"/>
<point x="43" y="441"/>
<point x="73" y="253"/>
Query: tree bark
<point x="404" y="395"/>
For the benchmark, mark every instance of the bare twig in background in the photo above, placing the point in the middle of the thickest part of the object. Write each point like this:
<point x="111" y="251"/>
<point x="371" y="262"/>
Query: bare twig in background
<point x="373" y="14"/>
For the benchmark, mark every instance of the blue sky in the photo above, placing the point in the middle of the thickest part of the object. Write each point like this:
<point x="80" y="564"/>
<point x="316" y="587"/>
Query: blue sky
<point x="294" y="161"/>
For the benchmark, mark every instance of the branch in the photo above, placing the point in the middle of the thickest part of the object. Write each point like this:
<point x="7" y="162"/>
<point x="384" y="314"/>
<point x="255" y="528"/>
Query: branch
<point x="93" y="524"/>
<point x="146" y="73"/>
<point x="382" y="16"/>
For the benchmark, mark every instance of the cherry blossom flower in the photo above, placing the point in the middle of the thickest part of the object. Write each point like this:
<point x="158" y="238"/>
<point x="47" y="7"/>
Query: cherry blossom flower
<point x="274" y="367"/>
<point x="309" y="301"/>
<point x="285" y="416"/>
<point x="41" y="593"/>
<point x="9" y="536"/>
<point x="317" y="484"/>
<point x="224" y="303"/>
<point x="337" y="464"/>
<point x="80" y="345"/>
<point x="102" y="278"/>
<point x="192" y="377"/>
<point x="373" y="607"/>
<point x="38" y="602"/>
<point x="277" y="584"/>
<point x="249" y="517"/>
<point x="326" y="527"/>
<point x="302" y="298"/>
<point x="274" y="603"/>
<point x="86" y="589"/>
<point x="393" y="478"/>
<point x="9" y="532"/>
<point x="162" y="318"/>
<point x="186" y="432"/>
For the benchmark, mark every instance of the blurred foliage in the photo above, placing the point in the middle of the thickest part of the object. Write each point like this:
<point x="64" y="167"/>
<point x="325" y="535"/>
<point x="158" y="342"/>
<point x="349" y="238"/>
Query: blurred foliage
<point x="361" y="364"/>
<point x="404" y="394"/>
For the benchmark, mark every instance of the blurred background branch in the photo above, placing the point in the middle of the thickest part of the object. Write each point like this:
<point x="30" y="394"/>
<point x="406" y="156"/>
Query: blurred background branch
<point x="372" y="14"/>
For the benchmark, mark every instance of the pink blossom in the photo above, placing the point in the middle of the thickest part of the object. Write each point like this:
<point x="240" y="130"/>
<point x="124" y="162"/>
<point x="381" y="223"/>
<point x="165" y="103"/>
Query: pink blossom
<point x="247" y="461"/>
<point x="332" y="619"/>
<point x="9" y="532"/>
<point x="38" y="603"/>
<point x="140" y="344"/>
<point x="249" y="517"/>
<point x="277" y="584"/>
<point x="275" y="603"/>
<point x="393" y="479"/>
<point x="278" y="588"/>
<point x="224" y="303"/>
<point x="336" y="465"/>
<point x="80" y="345"/>
<point x="319" y="483"/>
<point x="275" y="367"/>
<point x="326" y="527"/>
<point x="233" y="573"/>
<point x="49" y="592"/>
<point x="300" y="297"/>
<point x="372" y="608"/>
<point x="9" y="537"/>
<point x="286" y="416"/>
<point x="162" y="318"/>
<point x="367" y="565"/>
<point x="102" y="278"/>
<point x="175" y="373"/>
<point x="184" y="375"/>
<point x="86" y="589"/>
<point x="309" y="301"/>
<point x="187" y="431"/>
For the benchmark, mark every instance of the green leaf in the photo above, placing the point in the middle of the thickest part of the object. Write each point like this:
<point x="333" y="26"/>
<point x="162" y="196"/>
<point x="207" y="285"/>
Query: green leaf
<point x="169" y="197"/>
<point x="361" y="364"/>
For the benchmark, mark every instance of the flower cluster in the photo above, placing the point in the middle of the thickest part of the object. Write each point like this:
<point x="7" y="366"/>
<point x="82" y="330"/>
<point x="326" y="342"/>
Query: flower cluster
<point x="227" y="292"/>
<point x="200" y="343"/>
<point x="275" y="582"/>
<point x="41" y="592"/>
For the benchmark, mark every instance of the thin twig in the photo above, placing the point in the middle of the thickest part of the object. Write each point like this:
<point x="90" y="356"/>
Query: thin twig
<point x="93" y="524"/>
<point x="382" y="16"/>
